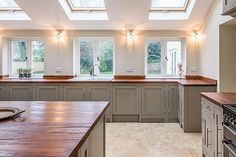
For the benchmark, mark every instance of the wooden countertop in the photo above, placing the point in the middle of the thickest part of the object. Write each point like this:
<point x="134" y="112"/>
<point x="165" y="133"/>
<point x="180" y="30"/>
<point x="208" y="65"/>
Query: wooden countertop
<point x="48" y="129"/>
<point x="182" y="81"/>
<point x="220" y="98"/>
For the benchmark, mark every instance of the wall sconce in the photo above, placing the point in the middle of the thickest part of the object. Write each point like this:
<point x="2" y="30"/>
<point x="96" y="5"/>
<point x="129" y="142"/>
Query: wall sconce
<point x="58" y="36"/>
<point x="196" y="35"/>
<point x="130" y="34"/>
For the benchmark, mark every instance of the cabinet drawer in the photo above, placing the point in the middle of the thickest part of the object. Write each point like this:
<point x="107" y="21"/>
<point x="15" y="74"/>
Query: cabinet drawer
<point x="207" y="107"/>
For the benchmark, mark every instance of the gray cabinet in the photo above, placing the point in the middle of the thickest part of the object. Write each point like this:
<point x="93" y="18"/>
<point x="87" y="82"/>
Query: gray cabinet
<point x="94" y="145"/>
<point x="20" y="92"/>
<point x="2" y="93"/>
<point x="212" y="134"/>
<point x="100" y="92"/>
<point x="74" y="92"/>
<point x="218" y="129"/>
<point x="153" y="103"/>
<point x="190" y="101"/>
<point x="85" y="149"/>
<point x="126" y="102"/>
<point x="97" y="140"/>
<point x="172" y="103"/>
<point x="47" y="93"/>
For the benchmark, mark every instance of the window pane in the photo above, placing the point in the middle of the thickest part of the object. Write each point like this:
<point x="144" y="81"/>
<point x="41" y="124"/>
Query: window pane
<point x="168" y="3"/>
<point x="173" y="56"/>
<point x="154" y="58"/>
<point x="106" y="57"/>
<point x="86" y="57"/>
<point x="38" y="57"/>
<point x="19" y="56"/>
<point x="88" y="3"/>
<point x="5" y="4"/>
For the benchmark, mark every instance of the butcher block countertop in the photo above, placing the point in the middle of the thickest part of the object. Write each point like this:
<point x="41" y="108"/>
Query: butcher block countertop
<point x="182" y="81"/>
<point x="220" y="99"/>
<point x="48" y="129"/>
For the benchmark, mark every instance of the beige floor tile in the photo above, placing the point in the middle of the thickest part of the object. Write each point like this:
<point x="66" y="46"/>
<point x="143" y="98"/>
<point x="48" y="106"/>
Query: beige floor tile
<point x="151" y="140"/>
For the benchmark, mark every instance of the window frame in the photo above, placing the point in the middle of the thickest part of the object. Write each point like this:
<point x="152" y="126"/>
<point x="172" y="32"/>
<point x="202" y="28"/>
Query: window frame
<point x="29" y="54"/>
<point x="164" y="41"/>
<point x="17" y="8"/>
<point x="77" y="41"/>
<point x="184" y="8"/>
<point x="73" y="8"/>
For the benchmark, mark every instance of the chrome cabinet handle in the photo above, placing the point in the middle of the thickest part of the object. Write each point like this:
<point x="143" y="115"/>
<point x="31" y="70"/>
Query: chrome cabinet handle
<point x="217" y="134"/>
<point x="208" y="138"/>
<point x="85" y="153"/>
<point x="227" y="145"/>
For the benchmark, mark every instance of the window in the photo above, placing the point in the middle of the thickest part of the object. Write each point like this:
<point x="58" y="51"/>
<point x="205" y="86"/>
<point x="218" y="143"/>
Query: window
<point x="9" y="10"/>
<point x="92" y="5"/>
<point x="163" y="56"/>
<point x="97" y="53"/>
<point x="8" y="5"/>
<point x="27" y="54"/>
<point x="169" y="5"/>
<point x="87" y="10"/>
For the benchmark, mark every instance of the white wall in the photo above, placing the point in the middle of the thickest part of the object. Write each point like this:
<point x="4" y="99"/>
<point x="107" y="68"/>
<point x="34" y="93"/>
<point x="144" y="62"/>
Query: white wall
<point x="209" y="47"/>
<point x="126" y="54"/>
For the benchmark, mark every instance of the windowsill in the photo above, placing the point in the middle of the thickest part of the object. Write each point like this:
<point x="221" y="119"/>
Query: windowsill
<point x="164" y="77"/>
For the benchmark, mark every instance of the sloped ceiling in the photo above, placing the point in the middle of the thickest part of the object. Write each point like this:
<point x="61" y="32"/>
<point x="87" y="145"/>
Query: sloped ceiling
<point x="49" y="14"/>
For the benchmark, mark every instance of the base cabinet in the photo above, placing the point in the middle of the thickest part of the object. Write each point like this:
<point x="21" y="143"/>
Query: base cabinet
<point x="212" y="134"/>
<point x="2" y="93"/>
<point x="47" y="93"/>
<point x="153" y="103"/>
<point x="74" y="92"/>
<point x="100" y="92"/>
<point x="21" y="93"/>
<point x="190" y="100"/>
<point x="172" y="103"/>
<point x="94" y="146"/>
<point x="126" y="102"/>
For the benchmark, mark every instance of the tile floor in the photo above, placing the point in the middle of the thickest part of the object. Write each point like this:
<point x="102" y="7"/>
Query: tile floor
<point x="151" y="140"/>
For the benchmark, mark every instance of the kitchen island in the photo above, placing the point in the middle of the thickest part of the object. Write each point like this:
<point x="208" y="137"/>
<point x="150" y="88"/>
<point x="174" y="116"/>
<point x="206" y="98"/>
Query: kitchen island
<point x="54" y="129"/>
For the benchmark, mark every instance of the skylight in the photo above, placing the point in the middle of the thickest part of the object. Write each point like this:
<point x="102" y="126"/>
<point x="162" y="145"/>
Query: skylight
<point x="171" y="9"/>
<point x="8" y="5"/>
<point x="92" y="5"/>
<point x="86" y="10"/>
<point x="9" y="10"/>
<point x="174" y="5"/>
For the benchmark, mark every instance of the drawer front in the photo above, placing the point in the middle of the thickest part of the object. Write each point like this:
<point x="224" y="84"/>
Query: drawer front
<point x="207" y="107"/>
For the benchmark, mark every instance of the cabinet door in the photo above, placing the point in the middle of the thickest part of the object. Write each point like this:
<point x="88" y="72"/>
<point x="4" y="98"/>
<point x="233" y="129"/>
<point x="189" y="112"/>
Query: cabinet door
<point x="74" y="93"/>
<point x="97" y="140"/>
<point x="21" y="93"/>
<point x="181" y="105"/>
<point x="97" y="92"/>
<point x="48" y="93"/>
<point x="125" y="100"/>
<point x="172" y="103"/>
<point x="85" y="150"/>
<point x="2" y="93"/>
<point x="153" y="99"/>
<point x="207" y="134"/>
<point x="218" y="132"/>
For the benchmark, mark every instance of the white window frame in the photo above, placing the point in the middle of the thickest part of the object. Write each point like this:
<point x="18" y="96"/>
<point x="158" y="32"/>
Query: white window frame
<point x="96" y="40"/>
<point x="29" y="51"/>
<point x="163" y="42"/>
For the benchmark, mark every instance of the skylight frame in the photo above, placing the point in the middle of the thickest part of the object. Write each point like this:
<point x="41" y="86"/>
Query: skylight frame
<point x="184" y="8"/>
<point x="13" y="9"/>
<point x="84" y="9"/>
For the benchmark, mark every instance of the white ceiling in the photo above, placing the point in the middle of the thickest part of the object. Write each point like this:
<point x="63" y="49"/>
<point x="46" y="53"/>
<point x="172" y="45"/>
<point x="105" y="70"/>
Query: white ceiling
<point x="49" y="14"/>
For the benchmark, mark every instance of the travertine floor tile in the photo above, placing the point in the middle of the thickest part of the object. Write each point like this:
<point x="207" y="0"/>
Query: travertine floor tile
<point x="151" y="140"/>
